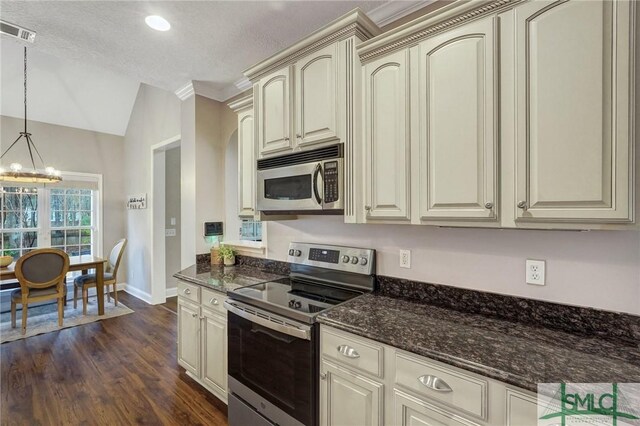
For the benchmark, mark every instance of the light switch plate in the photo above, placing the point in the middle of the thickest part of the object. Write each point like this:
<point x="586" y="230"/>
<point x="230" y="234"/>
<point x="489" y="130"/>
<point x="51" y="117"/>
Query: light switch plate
<point x="535" y="272"/>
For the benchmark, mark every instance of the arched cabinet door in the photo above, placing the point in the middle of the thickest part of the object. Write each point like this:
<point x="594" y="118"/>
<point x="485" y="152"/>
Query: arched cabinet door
<point x="387" y="138"/>
<point x="458" y="138"/>
<point x="316" y="97"/>
<point x="273" y="110"/>
<point x="573" y="116"/>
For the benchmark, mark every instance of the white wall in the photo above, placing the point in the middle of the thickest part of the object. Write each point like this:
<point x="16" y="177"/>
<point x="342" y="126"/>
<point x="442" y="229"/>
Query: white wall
<point x="232" y="221"/>
<point x="599" y="269"/>
<point x="155" y="118"/>
<point x="77" y="150"/>
<point x="172" y="210"/>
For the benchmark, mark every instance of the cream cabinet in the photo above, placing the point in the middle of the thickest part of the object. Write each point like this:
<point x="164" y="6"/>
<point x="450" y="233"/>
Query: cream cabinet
<point x="316" y="97"/>
<point x="456" y="117"/>
<point x="202" y="337"/>
<point x="522" y="114"/>
<point x="246" y="156"/>
<point x="387" y="138"/>
<point x="363" y="382"/>
<point x="349" y="398"/>
<point x="573" y="111"/>
<point x="273" y="112"/>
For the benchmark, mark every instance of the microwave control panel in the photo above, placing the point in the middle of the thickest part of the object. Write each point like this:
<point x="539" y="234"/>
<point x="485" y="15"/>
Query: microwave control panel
<point x="331" y="187"/>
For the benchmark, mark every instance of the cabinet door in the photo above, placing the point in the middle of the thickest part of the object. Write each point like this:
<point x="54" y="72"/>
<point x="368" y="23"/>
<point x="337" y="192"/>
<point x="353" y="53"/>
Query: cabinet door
<point x="273" y="113"/>
<point x="214" y="350"/>
<point x="387" y="137"/>
<point x="573" y="97"/>
<point x="316" y="97"/>
<point x="348" y="399"/>
<point x="411" y="411"/>
<point x="522" y="408"/>
<point x="458" y="141"/>
<point x="246" y="164"/>
<point x="189" y="336"/>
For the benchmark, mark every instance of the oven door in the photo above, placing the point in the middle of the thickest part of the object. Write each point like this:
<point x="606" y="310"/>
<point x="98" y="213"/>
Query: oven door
<point x="272" y="368"/>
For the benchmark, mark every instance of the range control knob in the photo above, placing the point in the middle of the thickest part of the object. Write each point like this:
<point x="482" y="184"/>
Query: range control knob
<point x="363" y="261"/>
<point x="354" y="260"/>
<point x="290" y="252"/>
<point x="297" y="253"/>
<point x="345" y="259"/>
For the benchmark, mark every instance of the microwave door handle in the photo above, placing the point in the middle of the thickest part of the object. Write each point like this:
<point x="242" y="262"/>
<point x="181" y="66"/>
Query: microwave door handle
<point x="316" y="192"/>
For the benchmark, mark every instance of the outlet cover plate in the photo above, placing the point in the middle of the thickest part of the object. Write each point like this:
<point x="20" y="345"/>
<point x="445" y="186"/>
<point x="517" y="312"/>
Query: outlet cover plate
<point x="405" y="259"/>
<point x="535" y="271"/>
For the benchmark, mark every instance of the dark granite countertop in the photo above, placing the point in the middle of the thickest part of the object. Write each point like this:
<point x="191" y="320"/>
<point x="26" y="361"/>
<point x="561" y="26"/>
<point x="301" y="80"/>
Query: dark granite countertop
<point x="225" y="278"/>
<point x="513" y="352"/>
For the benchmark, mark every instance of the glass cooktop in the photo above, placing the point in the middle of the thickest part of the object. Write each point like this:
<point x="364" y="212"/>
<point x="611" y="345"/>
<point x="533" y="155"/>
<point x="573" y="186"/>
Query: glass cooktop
<point x="293" y="298"/>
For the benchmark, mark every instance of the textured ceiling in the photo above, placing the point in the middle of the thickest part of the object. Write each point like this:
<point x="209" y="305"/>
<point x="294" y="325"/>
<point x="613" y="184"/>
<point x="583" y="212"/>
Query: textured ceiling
<point x="210" y="41"/>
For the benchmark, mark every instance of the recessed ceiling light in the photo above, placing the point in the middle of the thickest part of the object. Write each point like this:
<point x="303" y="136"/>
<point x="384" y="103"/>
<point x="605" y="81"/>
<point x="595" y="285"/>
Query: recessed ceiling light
<point x="157" y="23"/>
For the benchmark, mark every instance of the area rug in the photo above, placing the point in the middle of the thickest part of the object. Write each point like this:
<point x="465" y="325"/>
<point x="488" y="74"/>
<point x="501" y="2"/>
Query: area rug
<point x="44" y="319"/>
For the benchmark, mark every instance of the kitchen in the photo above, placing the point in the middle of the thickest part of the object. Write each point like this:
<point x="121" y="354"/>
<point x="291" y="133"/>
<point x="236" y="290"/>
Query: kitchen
<point x="447" y="211"/>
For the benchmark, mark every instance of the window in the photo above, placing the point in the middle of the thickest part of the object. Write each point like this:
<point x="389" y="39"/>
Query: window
<point x="251" y="230"/>
<point x="18" y="220"/>
<point x="63" y="218"/>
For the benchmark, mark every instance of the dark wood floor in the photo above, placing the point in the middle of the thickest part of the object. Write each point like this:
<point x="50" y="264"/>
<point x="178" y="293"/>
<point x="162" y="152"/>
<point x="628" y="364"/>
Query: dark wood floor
<point x="172" y="304"/>
<point x="113" y="372"/>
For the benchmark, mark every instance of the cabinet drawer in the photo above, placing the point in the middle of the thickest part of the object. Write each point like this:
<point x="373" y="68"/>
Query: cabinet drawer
<point x="214" y="301"/>
<point x="189" y="291"/>
<point x="441" y="383"/>
<point x="412" y="411"/>
<point x="358" y="353"/>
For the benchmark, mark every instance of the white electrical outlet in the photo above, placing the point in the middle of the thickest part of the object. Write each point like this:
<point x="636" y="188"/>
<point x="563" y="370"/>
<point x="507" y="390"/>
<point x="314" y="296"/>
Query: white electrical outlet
<point x="535" y="272"/>
<point x="405" y="259"/>
<point x="171" y="232"/>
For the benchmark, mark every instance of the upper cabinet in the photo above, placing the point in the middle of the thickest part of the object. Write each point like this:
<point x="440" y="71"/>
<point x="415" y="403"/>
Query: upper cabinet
<point x="573" y="117"/>
<point x="246" y="156"/>
<point x="456" y="119"/>
<point x="316" y="97"/>
<point x="513" y="114"/>
<point x="387" y="141"/>
<point x="273" y="112"/>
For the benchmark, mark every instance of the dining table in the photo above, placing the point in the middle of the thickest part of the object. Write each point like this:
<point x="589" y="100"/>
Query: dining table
<point x="76" y="263"/>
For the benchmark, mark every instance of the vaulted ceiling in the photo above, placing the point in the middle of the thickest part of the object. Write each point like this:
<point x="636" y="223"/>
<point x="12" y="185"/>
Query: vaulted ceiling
<point x="210" y="42"/>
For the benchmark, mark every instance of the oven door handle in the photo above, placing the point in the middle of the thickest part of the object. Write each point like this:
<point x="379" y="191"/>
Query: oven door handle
<point x="316" y="192"/>
<point x="302" y="331"/>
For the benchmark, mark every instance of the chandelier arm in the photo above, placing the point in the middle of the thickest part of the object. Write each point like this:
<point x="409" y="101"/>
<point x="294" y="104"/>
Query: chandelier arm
<point x="8" y="149"/>
<point x="33" y="163"/>
<point x="36" y="149"/>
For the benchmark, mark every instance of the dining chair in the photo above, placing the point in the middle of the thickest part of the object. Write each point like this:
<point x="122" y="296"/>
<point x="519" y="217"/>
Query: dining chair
<point x="41" y="274"/>
<point x="85" y="281"/>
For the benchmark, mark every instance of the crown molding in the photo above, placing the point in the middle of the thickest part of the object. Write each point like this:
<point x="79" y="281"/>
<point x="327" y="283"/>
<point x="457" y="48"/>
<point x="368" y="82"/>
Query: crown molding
<point x="452" y="15"/>
<point x="241" y="103"/>
<point x="354" y="23"/>
<point x="394" y="10"/>
<point x="185" y="92"/>
<point x="243" y="84"/>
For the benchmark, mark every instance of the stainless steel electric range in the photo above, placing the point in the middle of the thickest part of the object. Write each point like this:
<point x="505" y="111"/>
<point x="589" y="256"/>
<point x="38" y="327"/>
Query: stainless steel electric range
<point x="273" y="338"/>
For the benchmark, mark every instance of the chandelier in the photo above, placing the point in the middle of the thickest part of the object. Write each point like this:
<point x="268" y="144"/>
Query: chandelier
<point x="16" y="172"/>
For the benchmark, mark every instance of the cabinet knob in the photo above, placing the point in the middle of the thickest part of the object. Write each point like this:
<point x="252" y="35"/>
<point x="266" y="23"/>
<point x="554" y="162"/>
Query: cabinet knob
<point x="213" y="301"/>
<point x="299" y="136"/>
<point x="323" y="376"/>
<point x="286" y="138"/>
<point x="367" y="209"/>
<point x="187" y="291"/>
<point x="194" y="315"/>
<point x="488" y="206"/>
<point x="522" y="205"/>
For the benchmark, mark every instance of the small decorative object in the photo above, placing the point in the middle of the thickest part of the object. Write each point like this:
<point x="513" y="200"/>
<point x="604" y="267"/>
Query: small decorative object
<point x="5" y="261"/>
<point x="136" y="202"/>
<point x="228" y="254"/>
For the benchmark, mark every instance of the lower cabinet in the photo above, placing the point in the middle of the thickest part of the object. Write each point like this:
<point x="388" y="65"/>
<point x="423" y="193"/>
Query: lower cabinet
<point x="202" y="337"/>
<point x="363" y="382"/>
<point x="349" y="398"/>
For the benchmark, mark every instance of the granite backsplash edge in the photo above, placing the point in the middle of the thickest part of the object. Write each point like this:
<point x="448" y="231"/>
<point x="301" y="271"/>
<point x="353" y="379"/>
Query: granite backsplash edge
<point x="574" y="319"/>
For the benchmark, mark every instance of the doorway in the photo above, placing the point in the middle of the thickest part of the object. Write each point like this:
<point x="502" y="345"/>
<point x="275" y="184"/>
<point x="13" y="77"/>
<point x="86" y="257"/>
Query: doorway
<point x="166" y="219"/>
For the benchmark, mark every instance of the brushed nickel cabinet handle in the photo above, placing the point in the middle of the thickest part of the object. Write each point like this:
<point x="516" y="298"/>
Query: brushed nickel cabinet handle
<point x="435" y="383"/>
<point x="488" y="206"/>
<point x="187" y="291"/>
<point x="213" y="301"/>
<point x="522" y="205"/>
<point x="348" y="351"/>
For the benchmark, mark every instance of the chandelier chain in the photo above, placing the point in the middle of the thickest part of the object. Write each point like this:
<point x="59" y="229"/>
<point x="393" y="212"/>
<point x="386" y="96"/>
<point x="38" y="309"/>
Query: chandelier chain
<point x="25" y="89"/>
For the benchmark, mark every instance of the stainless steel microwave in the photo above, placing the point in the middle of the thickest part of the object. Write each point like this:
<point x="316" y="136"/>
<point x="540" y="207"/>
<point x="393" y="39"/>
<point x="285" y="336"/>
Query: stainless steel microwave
<point x="307" y="182"/>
